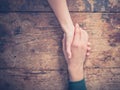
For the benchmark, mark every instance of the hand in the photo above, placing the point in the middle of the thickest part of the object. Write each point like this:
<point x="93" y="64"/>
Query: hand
<point x="69" y="38"/>
<point x="79" y="48"/>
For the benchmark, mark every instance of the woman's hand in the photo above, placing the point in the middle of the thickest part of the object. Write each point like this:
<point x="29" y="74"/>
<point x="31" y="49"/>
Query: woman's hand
<point x="79" y="48"/>
<point x="61" y="11"/>
<point x="69" y="38"/>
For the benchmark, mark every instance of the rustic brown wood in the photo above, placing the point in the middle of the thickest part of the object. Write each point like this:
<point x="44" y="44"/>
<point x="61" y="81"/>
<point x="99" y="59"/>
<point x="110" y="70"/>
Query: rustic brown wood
<point x="34" y="46"/>
<point x="31" y="56"/>
<point x="34" y="80"/>
<point x="106" y="79"/>
<point x="74" y="5"/>
<point x="96" y="78"/>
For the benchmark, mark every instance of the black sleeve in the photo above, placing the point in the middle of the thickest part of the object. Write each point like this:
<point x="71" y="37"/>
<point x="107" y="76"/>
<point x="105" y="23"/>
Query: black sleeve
<point x="79" y="85"/>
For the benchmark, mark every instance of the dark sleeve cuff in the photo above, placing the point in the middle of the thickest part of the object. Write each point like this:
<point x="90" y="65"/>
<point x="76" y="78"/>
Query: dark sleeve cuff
<point x="78" y="85"/>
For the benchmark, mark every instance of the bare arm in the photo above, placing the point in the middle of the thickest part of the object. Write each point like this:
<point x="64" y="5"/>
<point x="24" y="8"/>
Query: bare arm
<point x="62" y="13"/>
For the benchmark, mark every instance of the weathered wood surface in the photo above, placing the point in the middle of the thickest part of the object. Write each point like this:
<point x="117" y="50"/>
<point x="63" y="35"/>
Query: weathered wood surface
<point x="21" y="79"/>
<point x="28" y="40"/>
<point x="34" y="80"/>
<point x="74" y="5"/>
<point x="31" y="56"/>
<point x="103" y="79"/>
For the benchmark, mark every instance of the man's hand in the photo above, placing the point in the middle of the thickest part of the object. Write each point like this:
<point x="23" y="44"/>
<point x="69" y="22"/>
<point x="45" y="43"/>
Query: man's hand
<point x="79" y="47"/>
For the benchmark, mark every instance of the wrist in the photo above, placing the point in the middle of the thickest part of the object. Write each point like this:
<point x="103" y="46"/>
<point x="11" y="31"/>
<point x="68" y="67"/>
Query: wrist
<point x="76" y="73"/>
<point x="68" y="28"/>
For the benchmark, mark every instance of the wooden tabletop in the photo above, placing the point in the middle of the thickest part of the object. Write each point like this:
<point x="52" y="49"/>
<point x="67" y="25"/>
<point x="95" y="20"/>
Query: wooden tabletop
<point x="31" y="56"/>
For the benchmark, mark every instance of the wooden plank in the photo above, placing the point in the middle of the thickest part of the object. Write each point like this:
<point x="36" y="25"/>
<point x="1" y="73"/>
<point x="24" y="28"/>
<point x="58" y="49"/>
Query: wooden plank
<point x="31" y="56"/>
<point x="31" y="26"/>
<point x="106" y="79"/>
<point x="98" y="24"/>
<point x="46" y="52"/>
<point x="96" y="78"/>
<point x="42" y="80"/>
<point x="28" y="42"/>
<point x="74" y="5"/>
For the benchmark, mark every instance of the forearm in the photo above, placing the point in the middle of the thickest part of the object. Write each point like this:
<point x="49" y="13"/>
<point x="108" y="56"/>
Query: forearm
<point x="62" y="13"/>
<point x="76" y="77"/>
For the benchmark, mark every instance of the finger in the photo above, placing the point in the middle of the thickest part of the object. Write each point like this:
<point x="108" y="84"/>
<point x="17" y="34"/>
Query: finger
<point x="88" y="48"/>
<point x="63" y="40"/>
<point x="77" y="35"/>
<point x="68" y="49"/>
<point x="63" y="44"/>
<point x="64" y="47"/>
<point x="84" y="36"/>
<point x="68" y="43"/>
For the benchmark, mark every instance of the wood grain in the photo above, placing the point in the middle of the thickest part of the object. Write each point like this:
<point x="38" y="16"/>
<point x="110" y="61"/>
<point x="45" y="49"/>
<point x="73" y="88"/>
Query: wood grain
<point x="26" y="42"/>
<point x="74" y="5"/>
<point x="31" y="56"/>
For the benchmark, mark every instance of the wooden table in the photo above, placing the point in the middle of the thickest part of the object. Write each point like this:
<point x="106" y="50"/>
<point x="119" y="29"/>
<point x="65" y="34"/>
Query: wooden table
<point x="31" y="56"/>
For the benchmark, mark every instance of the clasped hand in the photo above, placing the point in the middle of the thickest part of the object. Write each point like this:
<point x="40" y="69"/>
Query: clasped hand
<point x="79" y="49"/>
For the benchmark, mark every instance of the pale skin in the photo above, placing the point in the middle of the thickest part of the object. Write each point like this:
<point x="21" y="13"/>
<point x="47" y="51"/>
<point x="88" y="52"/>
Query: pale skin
<point x="75" y="38"/>
<point x="62" y="13"/>
<point x="79" y="51"/>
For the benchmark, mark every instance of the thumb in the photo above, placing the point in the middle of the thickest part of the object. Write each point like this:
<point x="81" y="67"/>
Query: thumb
<point x="68" y="45"/>
<point x="68" y="49"/>
<point x="77" y="35"/>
